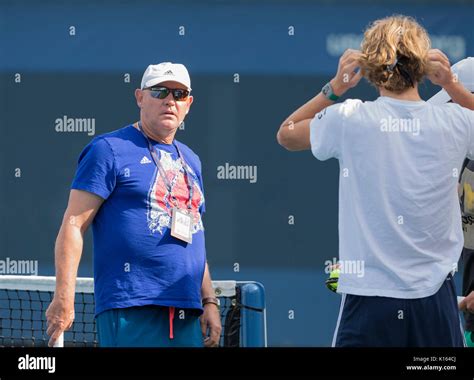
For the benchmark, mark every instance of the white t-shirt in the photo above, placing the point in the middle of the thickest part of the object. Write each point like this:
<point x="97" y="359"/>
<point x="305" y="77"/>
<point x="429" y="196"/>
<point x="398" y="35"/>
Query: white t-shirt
<point x="400" y="228"/>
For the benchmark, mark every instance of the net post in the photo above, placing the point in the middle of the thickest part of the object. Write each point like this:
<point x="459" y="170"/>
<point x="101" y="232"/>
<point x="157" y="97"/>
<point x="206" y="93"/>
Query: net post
<point x="254" y="329"/>
<point x="244" y="299"/>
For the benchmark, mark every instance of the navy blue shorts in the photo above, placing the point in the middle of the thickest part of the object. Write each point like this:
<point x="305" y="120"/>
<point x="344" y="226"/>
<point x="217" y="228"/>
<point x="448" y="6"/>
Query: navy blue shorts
<point x="393" y="322"/>
<point x="149" y="326"/>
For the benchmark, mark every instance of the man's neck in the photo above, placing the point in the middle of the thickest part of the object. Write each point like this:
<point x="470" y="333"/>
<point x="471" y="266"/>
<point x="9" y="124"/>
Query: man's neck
<point x="158" y="136"/>
<point x="411" y="94"/>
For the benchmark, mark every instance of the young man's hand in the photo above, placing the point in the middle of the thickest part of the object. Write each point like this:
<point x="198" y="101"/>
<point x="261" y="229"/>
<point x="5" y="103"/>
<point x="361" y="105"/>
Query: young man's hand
<point x="347" y="76"/>
<point x="441" y="68"/>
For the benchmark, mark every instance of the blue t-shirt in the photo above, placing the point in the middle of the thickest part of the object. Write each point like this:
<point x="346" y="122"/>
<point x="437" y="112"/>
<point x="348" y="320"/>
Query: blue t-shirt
<point x="136" y="260"/>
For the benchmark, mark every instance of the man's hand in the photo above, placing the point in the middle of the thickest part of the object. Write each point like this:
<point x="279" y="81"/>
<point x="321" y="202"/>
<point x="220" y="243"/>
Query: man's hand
<point x="346" y="76"/>
<point x="441" y="68"/>
<point x="211" y="320"/>
<point x="467" y="304"/>
<point x="59" y="317"/>
<point x="442" y="75"/>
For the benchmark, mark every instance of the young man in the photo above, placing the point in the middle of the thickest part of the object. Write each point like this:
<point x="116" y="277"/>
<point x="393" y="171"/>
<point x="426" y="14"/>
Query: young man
<point x="398" y="213"/>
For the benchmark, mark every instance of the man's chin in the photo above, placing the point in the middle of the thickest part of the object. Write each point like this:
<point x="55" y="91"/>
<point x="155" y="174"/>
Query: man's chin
<point x="167" y="126"/>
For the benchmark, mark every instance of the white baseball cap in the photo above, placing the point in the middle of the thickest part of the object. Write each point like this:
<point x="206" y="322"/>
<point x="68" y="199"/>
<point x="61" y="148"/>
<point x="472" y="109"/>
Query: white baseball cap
<point x="465" y="73"/>
<point x="165" y="71"/>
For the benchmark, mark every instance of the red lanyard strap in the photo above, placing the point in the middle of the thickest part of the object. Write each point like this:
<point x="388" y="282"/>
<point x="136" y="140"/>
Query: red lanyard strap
<point x="156" y="160"/>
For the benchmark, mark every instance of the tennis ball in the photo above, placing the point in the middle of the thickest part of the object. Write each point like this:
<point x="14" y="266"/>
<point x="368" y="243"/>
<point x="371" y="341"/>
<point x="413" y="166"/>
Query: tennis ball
<point x="333" y="279"/>
<point x="468" y="198"/>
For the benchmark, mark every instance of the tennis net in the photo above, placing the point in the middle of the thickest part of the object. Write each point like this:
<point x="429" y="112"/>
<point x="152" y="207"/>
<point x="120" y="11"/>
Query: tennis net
<point x="24" y="300"/>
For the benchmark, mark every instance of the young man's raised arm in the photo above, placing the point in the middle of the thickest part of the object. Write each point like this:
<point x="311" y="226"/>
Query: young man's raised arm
<point x="294" y="131"/>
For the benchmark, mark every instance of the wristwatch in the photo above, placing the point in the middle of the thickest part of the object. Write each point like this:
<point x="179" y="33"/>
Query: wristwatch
<point x="329" y="93"/>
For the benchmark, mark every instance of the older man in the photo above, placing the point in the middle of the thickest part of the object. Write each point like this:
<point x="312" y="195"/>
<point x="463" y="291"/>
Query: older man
<point x="142" y="191"/>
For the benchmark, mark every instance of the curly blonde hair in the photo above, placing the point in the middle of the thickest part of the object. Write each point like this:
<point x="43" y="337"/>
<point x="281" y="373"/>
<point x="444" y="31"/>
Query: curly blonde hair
<point x="395" y="53"/>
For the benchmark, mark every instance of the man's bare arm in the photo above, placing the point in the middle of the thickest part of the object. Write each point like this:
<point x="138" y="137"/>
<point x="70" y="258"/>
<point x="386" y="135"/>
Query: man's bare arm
<point x="207" y="290"/>
<point x="460" y="95"/>
<point x="294" y="131"/>
<point x="210" y="318"/>
<point x="81" y="210"/>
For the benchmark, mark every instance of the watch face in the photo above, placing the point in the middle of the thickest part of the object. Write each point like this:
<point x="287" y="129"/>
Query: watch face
<point x="325" y="90"/>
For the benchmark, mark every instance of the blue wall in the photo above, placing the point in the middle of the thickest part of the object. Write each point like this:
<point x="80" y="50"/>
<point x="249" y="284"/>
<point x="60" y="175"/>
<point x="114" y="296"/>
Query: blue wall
<point x="220" y="36"/>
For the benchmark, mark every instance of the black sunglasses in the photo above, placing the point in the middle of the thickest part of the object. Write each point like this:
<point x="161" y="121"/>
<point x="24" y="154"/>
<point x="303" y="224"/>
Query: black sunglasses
<point x="162" y="92"/>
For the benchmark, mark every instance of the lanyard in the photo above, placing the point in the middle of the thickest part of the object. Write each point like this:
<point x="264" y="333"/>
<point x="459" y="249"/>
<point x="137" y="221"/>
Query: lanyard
<point x="154" y="155"/>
